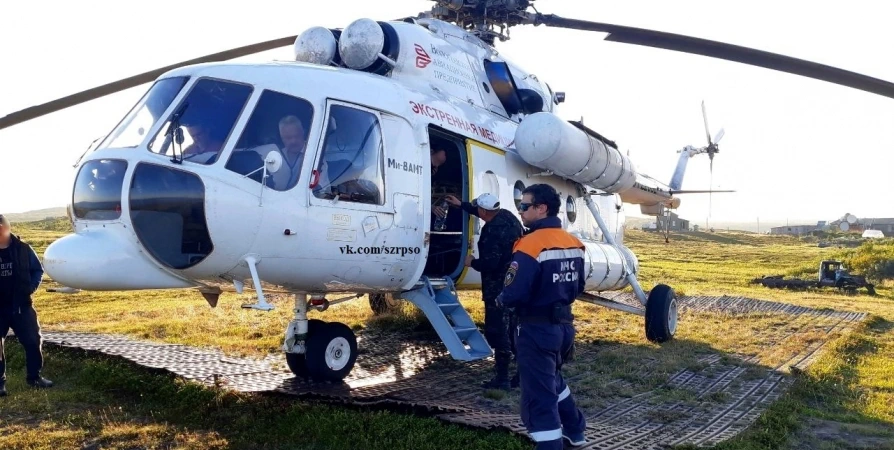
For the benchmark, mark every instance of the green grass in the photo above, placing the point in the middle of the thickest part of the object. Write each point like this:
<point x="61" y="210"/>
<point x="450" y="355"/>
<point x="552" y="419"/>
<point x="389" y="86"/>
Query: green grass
<point x="849" y="386"/>
<point x="101" y="402"/>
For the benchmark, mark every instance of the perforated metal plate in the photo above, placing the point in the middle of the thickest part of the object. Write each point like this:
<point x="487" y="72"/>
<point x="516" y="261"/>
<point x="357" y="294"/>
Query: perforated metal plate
<point x="722" y="394"/>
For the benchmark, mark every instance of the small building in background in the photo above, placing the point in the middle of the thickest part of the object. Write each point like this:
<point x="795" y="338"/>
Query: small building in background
<point x="675" y="224"/>
<point x="885" y="225"/>
<point x="794" y="230"/>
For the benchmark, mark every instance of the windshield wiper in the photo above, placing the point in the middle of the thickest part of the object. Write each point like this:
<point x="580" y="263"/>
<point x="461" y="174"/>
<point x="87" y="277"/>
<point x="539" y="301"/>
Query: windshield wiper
<point x="175" y="133"/>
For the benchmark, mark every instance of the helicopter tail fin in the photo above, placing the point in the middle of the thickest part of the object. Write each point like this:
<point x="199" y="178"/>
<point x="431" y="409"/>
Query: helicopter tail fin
<point x="676" y="181"/>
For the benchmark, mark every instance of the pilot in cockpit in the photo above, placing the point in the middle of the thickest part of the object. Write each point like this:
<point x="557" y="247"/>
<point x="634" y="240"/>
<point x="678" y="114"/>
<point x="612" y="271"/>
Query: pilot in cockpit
<point x="205" y="147"/>
<point x="292" y="133"/>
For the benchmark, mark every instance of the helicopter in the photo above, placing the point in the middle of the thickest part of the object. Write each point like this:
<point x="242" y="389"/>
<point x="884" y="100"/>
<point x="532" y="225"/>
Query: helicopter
<point x="315" y="177"/>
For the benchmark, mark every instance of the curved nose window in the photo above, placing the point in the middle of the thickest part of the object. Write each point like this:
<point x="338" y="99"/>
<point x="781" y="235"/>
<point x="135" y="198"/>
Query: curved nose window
<point x="167" y="208"/>
<point x="97" y="190"/>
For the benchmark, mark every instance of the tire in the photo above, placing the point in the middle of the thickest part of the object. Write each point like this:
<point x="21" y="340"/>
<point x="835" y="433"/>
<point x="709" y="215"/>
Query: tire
<point x="661" y="314"/>
<point x="331" y="352"/>
<point x="296" y="361"/>
<point x="382" y="303"/>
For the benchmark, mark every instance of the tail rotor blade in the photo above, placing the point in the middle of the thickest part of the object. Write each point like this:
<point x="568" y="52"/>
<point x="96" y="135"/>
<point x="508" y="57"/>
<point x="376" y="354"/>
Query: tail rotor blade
<point x="707" y="130"/>
<point x="711" y="186"/>
<point x="719" y="136"/>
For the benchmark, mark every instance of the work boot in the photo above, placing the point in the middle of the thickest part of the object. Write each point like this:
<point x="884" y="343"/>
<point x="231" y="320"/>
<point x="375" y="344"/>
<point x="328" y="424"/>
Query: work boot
<point x="575" y="439"/>
<point x="40" y="382"/>
<point x="497" y="383"/>
<point x="501" y="379"/>
<point x="2" y="389"/>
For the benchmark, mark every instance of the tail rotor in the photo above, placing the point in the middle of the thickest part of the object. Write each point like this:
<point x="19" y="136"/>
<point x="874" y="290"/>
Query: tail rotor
<point x="711" y="149"/>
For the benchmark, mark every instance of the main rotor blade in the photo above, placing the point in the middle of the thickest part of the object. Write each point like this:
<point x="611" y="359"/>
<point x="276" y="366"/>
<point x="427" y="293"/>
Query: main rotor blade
<point x="136" y="80"/>
<point x="730" y="52"/>
<point x="696" y="191"/>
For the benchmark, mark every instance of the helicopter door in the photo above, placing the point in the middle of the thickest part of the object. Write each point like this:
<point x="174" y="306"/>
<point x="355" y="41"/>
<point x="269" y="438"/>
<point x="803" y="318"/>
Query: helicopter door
<point x="350" y="202"/>
<point x="487" y="167"/>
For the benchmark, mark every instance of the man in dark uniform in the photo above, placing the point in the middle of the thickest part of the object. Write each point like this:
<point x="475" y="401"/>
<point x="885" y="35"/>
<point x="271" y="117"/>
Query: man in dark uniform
<point x="545" y="276"/>
<point x="500" y="231"/>
<point x="20" y="273"/>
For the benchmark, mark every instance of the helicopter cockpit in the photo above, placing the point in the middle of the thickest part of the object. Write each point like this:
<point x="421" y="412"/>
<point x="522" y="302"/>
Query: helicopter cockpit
<point x="190" y="130"/>
<point x="166" y="197"/>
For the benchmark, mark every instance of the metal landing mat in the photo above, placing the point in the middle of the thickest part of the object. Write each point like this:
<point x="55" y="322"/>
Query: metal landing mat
<point x="704" y="404"/>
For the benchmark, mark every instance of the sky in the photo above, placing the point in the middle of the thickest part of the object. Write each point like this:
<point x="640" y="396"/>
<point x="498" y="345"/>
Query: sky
<point x="794" y="149"/>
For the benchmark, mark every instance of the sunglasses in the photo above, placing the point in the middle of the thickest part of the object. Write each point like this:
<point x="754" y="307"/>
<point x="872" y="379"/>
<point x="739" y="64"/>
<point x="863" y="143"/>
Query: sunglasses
<point x="524" y="206"/>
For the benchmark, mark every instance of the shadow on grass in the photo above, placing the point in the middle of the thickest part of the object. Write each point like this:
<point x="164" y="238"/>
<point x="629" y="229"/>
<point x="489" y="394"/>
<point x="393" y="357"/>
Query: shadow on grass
<point x="88" y="384"/>
<point x="671" y="387"/>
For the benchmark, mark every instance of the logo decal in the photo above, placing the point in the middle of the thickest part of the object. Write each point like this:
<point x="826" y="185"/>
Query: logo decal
<point x="422" y="58"/>
<point x="510" y="274"/>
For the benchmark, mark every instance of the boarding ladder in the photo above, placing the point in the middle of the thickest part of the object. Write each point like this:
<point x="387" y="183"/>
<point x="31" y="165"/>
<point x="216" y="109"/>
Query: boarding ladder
<point x="453" y="324"/>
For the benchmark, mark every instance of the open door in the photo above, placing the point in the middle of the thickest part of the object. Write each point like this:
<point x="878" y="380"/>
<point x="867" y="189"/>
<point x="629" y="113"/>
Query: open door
<point x="487" y="169"/>
<point x="449" y="246"/>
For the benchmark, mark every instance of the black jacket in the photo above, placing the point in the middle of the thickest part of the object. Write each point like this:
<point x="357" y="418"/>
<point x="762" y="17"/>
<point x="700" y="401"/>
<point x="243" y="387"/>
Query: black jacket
<point x="26" y="271"/>
<point x="495" y="249"/>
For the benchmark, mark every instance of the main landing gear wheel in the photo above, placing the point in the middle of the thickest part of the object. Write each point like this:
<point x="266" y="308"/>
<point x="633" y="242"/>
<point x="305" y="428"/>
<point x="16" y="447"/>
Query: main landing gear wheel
<point x="383" y="303"/>
<point x="296" y="361"/>
<point x="331" y="351"/>
<point x="661" y="314"/>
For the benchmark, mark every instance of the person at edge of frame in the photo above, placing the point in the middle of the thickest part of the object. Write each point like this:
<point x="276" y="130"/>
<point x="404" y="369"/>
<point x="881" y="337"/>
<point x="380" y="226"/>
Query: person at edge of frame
<point x="20" y="277"/>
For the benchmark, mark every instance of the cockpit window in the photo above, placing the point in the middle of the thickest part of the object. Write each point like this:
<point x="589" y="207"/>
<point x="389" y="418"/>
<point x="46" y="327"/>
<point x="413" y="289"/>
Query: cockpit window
<point x="202" y="121"/>
<point x="279" y="123"/>
<point x="97" y="190"/>
<point x="350" y="167"/>
<point x="132" y="130"/>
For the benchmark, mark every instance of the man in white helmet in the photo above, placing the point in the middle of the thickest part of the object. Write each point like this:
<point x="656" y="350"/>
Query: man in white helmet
<point x="501" y="229"/>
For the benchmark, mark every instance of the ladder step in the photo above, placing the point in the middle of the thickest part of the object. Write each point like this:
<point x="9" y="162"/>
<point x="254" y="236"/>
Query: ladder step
<point x="465" y="332"/>
<point x="451" y="321"/>
<point x="479" y="354"/>
<point x="448" y="308"/>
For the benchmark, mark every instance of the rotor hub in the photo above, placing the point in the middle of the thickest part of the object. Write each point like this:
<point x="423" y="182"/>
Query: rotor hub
<point x="486" y="19"/>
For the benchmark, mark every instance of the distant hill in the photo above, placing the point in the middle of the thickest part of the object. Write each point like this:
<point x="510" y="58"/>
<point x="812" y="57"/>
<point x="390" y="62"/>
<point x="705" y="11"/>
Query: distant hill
<point x="638" y="222"/>
<point x="38" y="214"/>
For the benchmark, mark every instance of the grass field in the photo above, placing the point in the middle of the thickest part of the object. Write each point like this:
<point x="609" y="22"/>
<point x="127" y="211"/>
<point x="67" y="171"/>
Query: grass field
<point x="844" y="400"/>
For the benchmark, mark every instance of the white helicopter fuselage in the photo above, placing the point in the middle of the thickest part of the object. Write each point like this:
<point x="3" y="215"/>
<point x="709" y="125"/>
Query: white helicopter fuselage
<point x="298" y="241"/>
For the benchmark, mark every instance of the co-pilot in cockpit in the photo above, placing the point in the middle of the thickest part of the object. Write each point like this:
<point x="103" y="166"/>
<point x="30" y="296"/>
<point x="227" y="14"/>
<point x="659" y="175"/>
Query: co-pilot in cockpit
<point x="206" y="118"/>
<point x="206" y="143"/>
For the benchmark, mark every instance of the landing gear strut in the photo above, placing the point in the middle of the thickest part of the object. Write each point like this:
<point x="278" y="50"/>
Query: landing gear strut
<point x="661" y="303"/>
<point x="322" y="351"/>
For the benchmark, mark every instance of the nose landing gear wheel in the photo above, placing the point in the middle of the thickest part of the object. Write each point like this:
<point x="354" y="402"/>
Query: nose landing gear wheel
<point x="661" y="314"/>
<point x="331" y="352"/>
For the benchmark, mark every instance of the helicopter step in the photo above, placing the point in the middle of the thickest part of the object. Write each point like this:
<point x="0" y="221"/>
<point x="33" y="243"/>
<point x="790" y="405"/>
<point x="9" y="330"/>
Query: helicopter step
<point x="449" y="318"/>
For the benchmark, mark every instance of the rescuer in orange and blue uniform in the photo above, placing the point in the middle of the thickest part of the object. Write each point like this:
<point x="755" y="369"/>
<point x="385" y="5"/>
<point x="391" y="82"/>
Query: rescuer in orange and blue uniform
<point x="545" y="276"/>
